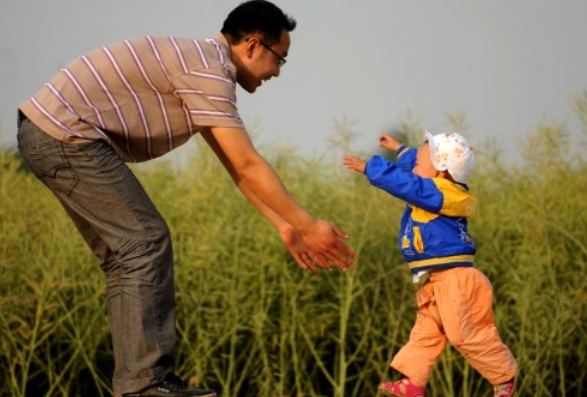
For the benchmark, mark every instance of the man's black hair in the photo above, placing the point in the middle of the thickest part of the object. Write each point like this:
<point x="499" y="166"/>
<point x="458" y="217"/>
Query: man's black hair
<point x="257" y="16"/>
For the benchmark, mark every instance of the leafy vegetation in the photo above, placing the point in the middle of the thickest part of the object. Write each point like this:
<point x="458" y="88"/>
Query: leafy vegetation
<point x="251" y="323"/>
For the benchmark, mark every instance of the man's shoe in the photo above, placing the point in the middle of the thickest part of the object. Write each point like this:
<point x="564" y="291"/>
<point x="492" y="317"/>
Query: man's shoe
<point x="172" y="386"/>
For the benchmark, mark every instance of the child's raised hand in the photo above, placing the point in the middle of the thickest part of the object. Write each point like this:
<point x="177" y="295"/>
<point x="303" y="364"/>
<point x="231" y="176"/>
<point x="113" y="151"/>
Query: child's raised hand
<point x="388" y="142"/>
<point x="354" y="163"/>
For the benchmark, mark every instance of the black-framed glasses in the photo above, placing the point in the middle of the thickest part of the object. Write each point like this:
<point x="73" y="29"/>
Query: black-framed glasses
<point x="281" y="61"/>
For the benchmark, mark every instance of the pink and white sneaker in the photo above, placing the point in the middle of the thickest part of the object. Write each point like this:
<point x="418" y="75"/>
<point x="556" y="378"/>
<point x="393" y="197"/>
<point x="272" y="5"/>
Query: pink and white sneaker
<point x="402" y="388"/>
<point x="504" y="390"/>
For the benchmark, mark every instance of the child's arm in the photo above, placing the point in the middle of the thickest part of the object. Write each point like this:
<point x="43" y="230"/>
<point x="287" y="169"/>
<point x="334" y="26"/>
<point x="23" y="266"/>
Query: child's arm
<point x="396" y="179"/>
<point x="406" y="157"/>
<point x="400" y="183"/>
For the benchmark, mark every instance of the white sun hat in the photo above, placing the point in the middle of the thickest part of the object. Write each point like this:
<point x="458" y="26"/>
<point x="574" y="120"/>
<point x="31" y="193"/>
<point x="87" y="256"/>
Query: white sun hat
<point x="451" y="152"/>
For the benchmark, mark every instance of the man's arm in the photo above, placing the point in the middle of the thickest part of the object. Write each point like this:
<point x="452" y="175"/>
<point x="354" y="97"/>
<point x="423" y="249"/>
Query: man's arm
<point x="261" y="185"/>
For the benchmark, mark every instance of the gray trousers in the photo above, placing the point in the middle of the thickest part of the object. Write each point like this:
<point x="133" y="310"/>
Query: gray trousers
<point x="125" y="231"/>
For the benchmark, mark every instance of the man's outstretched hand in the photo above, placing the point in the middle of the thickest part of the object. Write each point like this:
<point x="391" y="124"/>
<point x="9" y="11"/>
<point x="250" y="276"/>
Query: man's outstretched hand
<point x="327" y="248"/>
<point x="292" y="240"/>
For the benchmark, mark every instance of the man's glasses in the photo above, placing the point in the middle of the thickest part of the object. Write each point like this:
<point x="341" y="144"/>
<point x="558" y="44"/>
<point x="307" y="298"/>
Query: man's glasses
<point x="281" y="61"/>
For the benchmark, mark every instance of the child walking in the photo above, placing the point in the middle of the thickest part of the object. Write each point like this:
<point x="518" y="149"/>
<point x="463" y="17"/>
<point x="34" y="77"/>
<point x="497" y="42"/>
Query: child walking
<point x="455" y="302"/>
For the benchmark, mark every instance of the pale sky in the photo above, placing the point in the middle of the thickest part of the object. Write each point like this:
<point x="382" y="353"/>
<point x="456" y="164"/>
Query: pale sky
<point x="507" y="64"/>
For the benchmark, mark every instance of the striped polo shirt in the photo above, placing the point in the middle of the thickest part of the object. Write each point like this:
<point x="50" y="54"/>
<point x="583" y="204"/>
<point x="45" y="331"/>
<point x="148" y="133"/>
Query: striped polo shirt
<point x="144" y="96"/>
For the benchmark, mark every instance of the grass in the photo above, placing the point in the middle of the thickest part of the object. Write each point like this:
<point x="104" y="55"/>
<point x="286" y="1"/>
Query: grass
<point x="251" y="323"/>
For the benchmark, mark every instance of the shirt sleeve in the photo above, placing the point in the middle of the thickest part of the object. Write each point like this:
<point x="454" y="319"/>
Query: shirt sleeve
<point x="406" y="158"/>
<point x="388" y="176"/>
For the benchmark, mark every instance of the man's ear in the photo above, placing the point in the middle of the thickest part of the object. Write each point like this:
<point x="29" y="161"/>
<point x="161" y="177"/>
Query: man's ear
<point x="251" y="44"/>
<point x="244" y="49"/>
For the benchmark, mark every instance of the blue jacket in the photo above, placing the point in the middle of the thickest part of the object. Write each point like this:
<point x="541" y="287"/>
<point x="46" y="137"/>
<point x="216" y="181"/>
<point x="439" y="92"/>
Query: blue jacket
<point x="433" y="229"/>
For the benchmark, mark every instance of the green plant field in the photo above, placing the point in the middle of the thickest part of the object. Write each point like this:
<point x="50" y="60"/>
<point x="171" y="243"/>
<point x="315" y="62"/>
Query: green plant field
<point x="251" y="323"/>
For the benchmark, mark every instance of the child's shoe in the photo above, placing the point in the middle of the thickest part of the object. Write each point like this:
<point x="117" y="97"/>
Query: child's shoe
<point x="504" y="390"/>
<point x="402" y="388"/>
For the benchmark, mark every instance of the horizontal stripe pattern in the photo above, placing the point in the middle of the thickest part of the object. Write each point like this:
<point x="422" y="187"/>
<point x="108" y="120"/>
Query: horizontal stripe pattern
<point x="438" y="261"/>
<point x="144" y="96"/>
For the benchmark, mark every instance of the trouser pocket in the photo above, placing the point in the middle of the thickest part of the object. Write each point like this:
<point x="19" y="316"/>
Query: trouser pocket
<point x="46" y="158"/>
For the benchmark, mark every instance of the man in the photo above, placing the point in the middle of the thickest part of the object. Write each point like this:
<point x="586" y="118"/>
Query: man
<point x="137" y="100"/>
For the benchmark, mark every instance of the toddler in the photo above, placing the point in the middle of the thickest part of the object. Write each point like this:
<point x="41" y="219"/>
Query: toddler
<point x="455" y="302"/>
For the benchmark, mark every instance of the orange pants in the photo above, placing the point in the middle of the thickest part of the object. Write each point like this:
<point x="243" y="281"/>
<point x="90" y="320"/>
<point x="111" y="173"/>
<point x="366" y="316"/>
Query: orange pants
<point x="456" y="306"/>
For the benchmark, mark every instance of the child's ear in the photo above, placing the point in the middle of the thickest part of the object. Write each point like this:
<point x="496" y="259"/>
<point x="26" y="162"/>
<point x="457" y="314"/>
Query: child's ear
<point x="445" y="175"/>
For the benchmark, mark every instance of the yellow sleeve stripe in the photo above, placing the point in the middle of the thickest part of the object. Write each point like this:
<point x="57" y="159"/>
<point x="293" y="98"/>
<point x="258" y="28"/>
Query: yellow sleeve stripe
<point x="402" y="152"/>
